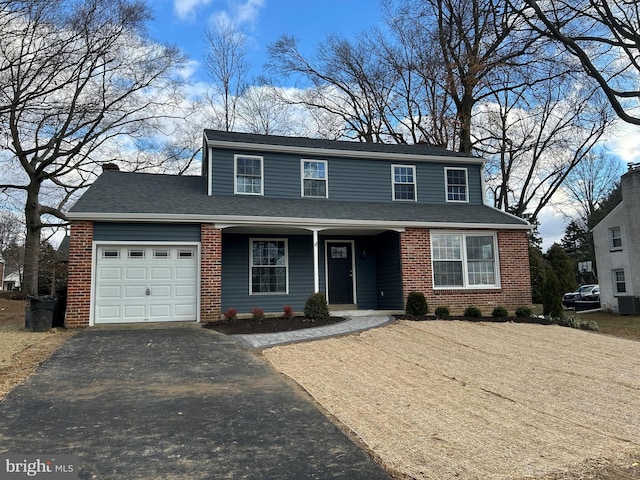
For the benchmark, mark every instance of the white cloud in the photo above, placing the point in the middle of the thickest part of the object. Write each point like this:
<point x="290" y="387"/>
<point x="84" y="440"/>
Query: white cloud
<point x="241" y="14"/>
<point x="624" y="142"/>
<point x="186" y="9"/>
<point x="552" y="226"/>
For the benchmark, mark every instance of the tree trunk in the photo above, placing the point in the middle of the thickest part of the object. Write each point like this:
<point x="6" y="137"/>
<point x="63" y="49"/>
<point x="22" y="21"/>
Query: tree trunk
<point x="32" y="239"/>
<point x="464" y="117"/>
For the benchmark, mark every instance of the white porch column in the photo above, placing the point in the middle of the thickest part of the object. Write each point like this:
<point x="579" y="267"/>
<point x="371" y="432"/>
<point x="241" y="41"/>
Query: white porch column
<point x="316" y="270"/>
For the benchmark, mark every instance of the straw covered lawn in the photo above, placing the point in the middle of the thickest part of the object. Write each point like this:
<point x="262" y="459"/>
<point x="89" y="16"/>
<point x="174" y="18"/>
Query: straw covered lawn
<point x="440" y="400"/>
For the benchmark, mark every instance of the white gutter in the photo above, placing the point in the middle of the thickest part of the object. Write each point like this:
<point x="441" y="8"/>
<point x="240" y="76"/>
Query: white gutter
<point x="225" y="221"/>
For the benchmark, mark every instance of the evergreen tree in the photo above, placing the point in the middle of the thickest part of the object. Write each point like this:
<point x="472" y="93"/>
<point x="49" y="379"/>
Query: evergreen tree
<point x="563" y="267"/>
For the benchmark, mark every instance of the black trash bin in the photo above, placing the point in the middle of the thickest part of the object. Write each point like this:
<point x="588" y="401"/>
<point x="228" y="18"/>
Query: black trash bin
<point x="39" y="313"/>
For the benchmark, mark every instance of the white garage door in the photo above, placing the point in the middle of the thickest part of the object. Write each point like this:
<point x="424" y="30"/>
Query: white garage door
<point x="146" y="284"/>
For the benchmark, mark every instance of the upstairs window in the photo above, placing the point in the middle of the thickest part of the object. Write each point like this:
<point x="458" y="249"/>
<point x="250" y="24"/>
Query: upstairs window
<point x="314" y="178"/>
<point x="456" y="181"/>
<point x="464" y="260"/>
<point x="616" y="238"/>
<point x="404" y="182"/>
<point x="248" y="173"/>
<point x="620" y="286"/>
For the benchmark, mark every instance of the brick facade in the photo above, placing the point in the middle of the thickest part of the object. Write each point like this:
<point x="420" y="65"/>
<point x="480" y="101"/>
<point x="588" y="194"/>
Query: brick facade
<point x="514" y="274"/>
<point x="210" y="273"/>
<point x="79" y="283"/>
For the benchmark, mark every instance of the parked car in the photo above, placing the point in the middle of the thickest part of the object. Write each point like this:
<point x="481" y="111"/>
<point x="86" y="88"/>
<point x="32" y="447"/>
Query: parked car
<point x="584" y="293"/>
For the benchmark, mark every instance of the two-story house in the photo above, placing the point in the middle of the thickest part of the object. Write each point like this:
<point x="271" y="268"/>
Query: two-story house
<point x="271" y="220"/>
<point x="617" y="249"/>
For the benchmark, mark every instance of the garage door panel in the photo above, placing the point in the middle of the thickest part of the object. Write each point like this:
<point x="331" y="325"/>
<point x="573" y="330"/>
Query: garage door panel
<point x="160" y="291"/>
<point x="160" y="273"/>
<point x="158" y="283"/>
<point x="109" y="291"/>
<point x="135" y="291"/>
<point x="135" y="273"/>
<point x="185" y="290"/>
<point x="110" y="273"/>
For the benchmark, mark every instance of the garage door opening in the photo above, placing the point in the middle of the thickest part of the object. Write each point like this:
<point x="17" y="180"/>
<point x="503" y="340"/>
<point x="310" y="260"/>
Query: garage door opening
<point x="146" y="283"/>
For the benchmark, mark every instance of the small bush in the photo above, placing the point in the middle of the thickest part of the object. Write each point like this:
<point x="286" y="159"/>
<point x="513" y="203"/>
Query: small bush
<point x="574" y="322"/>
<point x="417" y="304"/>
<point x="523" y="312"/>
<point x="257" y="314"/>
<point x="288" y="313"/>
<point x="499" y="312"/>
<point x="442" y="312"/>
<point x="472" y="312"/>
<point x="316" y="308"/>
<point x="230" y="315"/>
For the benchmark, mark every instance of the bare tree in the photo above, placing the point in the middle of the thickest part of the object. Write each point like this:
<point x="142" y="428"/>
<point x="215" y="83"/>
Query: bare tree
<point x="227" y="67"/>
<point x="263" y="110"/>
<point x="534" y="137"/>
<point x="74" y="76"/>
<point x="604" y="36"/>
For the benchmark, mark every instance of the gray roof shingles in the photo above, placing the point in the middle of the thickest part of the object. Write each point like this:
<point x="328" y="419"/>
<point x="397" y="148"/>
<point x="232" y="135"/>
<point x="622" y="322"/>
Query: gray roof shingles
<point x="117" y="192"/>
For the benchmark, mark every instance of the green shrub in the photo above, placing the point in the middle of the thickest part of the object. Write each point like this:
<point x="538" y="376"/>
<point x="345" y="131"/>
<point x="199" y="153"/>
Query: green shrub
<point x="575" y="322"/>
<point x="523" y="312"/>
<point x="442" y="312"/>
<point x="316" y="308"/>
<point x="473" y="312"/>
<point x="552" y="296"/>
<point x="499" y="312"/>
<point x="417" y="304"/>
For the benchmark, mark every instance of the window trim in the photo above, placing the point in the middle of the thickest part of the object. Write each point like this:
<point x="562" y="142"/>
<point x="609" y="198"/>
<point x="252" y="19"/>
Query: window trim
<point x="393" y="183"/>
<point x="446" y="184"/>
<point x="616" y="282"/>
<point x="465" y="262"/>
<point x="286" y="264"/>
<point x="235" y="174"/>
<point x="326" y="178"/>
<point x="612" y="239"/>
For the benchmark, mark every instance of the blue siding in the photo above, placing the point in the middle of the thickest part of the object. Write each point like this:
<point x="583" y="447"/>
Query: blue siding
<point x="389" y="271"/>
<point x="349" y="179"/>
<point x="235" y="274"/>
<point x="146" y="232"/>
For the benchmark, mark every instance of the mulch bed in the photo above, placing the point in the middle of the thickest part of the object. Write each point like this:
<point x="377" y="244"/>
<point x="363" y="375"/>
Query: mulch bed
<point x="268" y="325"/>
<point x="423" y="318"/>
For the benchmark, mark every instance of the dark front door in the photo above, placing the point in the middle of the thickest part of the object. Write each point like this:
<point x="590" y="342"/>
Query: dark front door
<point x="340" y="273"/>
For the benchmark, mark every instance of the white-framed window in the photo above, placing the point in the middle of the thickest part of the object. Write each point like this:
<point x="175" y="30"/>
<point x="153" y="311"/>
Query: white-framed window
<point x="616" y="238"/>
<point x="160" y="253"/>
<point x="403" y="180"/>
<point x="464" y="260"/>
<point x="248" y="172"/>
<point x="456" y="184"/>
<point x="314" y="178"/>
<point x="619" y="284"/>
<point x="111" y="253"/>
<point x="269" y="266"/>
<point x="135" y="253"/>
<point x="184" y="254"/>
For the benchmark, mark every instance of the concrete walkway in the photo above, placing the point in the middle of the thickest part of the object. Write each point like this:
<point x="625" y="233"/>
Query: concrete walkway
<point x="355" y="322"/>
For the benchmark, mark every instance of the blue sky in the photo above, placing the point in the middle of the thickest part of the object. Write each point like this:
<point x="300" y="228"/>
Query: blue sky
<point x="182" y="23"/>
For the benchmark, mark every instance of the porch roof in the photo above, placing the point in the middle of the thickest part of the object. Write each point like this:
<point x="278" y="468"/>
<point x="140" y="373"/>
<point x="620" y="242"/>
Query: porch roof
<point x="123" y="196"/>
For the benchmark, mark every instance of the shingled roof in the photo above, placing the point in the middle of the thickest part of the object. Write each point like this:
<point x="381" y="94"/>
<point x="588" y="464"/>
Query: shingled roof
<point x="297" y="143"/>
<point x="122" y="196"/>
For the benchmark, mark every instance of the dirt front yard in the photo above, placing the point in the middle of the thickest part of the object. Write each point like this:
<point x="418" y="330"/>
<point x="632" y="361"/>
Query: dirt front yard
<point x="451" y="399"/>
<point x="22" y="351"/>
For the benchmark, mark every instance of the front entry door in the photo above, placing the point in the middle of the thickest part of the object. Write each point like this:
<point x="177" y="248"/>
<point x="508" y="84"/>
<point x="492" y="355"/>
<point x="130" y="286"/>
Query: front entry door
<point x="340" y="272"/>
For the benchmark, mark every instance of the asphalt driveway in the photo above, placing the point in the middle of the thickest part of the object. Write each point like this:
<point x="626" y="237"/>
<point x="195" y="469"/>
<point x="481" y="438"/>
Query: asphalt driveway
<point x="185" y="402"/>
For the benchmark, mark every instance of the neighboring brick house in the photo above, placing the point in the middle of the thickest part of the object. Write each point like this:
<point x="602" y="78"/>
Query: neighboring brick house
<point x="617" y="253"/>
<point x="273" y="219"/>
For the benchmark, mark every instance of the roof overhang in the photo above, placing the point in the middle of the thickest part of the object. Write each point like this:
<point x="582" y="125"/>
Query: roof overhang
<point x="227" y="221"/>
<point x="330" y="152"/>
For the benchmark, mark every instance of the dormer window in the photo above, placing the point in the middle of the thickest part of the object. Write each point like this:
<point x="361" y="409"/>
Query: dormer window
<point x="456" y="180"/>
<point x="248" y="175"/>
<point x="403" y="179"/>
<point x="314" y="178"/>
